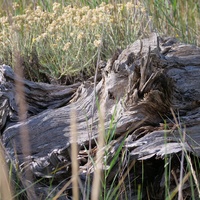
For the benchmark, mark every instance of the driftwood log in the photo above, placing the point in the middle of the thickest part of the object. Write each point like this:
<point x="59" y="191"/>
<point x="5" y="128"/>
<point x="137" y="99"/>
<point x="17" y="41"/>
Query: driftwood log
<point x="144" y="90"/>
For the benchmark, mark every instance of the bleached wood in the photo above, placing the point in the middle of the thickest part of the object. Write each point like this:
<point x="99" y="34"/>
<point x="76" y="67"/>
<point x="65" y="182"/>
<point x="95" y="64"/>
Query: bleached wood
<point x="139" y="86"/>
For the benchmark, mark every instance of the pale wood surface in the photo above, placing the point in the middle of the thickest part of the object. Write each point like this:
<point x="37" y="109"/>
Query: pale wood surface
<point x="143" y="83"/>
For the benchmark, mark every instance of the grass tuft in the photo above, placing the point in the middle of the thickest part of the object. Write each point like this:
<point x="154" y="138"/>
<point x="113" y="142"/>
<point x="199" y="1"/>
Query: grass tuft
<point x="59" y="40"/>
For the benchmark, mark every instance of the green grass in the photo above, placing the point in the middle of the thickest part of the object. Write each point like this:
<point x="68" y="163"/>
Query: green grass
<point x="58" y="40"/>
<point x="175" y="17"/>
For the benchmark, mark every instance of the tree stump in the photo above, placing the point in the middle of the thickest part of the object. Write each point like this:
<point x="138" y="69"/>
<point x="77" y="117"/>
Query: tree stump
<point x="150" y="92"/>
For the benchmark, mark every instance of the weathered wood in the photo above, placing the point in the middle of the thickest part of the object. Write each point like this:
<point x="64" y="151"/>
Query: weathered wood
<point x="140" y="86"/>
<point x="39" y="96"/>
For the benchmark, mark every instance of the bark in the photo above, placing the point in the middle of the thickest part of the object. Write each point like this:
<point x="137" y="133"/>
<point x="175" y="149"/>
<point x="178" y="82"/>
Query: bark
<point x="144" y="90"/>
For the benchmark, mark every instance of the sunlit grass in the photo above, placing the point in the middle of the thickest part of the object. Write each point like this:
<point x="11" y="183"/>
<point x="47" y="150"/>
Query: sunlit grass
<point x="64" y="41"/>
<point x="60" y="38"/>
<point x="177" y="18"/>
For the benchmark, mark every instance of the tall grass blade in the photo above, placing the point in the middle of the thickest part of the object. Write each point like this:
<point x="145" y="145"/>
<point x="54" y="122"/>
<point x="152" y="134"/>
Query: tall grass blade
<point x="62" y="190"/>
<point x="5" y="186"/>
<point x="193" y="174"/>
<point x="99" y="158"/>
<point x="175" y="191"/>
<point x="74" y="155"/>
<point x="22" y="107"/>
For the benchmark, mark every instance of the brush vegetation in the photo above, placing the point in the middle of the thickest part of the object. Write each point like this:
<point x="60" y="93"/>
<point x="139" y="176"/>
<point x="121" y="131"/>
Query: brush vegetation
<point x="58" y="41"/>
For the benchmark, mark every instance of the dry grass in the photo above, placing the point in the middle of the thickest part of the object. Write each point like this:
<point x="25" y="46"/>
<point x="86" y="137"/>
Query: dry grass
<point x="65" y="40"/>
<point x="59" y="40"/>
<point x="5" y="185"/>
